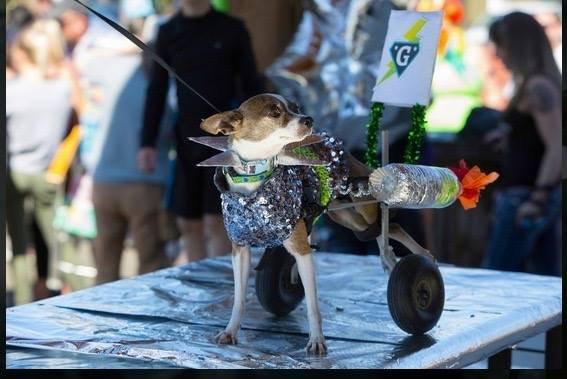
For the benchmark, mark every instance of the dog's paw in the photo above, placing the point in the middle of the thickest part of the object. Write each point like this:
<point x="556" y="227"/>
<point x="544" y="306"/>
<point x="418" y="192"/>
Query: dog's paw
<point x="317" y="346"/>
<point x="226" y="338"/>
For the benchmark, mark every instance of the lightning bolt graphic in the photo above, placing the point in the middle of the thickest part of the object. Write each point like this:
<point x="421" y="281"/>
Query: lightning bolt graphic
<point x="410" y="35"/>
<point x="390" y="72"/>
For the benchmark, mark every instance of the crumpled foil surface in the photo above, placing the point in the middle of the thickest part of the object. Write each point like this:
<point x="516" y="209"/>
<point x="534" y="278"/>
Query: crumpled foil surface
<point x="333" y="83"/>
<point x="169" y="318"/>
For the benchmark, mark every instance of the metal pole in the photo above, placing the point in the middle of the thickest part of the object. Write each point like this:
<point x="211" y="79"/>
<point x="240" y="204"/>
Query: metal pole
<point x="383" y="206"/>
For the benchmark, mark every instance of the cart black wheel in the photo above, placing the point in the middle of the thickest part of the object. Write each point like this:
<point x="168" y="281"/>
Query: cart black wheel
<point x="274" y="288"/>
<point x="416" y="294"/>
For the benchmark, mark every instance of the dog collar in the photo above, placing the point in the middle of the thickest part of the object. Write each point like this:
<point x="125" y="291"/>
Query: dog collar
<point x="237" y="178"/>
<point x="255" y="167"/>
<point x="253" y="171"/>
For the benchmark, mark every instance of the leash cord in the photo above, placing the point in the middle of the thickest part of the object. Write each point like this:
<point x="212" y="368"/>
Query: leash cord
<point x="147" y="49"/>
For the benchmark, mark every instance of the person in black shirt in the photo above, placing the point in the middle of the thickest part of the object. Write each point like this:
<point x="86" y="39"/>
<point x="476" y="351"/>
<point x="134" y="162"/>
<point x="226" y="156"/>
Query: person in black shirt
<point x="209" y="50"/>
<point x="528" y="206"/>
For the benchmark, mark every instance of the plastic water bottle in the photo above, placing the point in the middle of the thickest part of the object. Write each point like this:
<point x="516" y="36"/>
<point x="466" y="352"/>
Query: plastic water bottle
<point x="414" y="187"/>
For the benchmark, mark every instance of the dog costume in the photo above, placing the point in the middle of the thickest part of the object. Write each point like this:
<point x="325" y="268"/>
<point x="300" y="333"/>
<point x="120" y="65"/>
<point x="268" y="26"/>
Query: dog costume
<point x="267" y="217"/>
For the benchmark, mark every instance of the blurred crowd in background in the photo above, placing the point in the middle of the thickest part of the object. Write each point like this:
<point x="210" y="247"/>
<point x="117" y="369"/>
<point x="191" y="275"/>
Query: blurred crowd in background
<point x="102" y="181"/>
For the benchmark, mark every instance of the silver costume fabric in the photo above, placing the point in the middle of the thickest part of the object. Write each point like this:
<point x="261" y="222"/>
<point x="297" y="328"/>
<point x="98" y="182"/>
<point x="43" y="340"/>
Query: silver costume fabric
<point x="268" y="216"/>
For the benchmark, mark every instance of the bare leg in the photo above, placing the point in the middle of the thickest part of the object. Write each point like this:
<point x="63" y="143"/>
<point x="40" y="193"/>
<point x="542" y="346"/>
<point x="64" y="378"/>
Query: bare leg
<point x="298" y="246"/>
<point x="192" y="234"/>
<point x="241" y="269"/>
<point x="216" y="240"/>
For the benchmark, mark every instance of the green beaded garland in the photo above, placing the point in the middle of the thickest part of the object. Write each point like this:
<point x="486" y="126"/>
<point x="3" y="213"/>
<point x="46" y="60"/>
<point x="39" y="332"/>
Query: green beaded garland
<point x="372" y="127"/>
<point x="416" y="134"/>
<point x="325" y="190"/>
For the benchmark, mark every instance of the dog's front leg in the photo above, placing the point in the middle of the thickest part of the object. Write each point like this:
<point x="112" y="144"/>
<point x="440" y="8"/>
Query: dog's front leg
<point x="241" y="269"/>
<point x="298" y="246"/>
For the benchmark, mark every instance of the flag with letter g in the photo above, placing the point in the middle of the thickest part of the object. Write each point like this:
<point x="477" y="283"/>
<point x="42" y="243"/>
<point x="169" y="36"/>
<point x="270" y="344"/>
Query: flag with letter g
<point x="408" y="58"/>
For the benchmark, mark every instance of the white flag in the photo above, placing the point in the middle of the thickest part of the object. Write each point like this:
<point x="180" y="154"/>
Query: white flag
<point x="408" y="58"/>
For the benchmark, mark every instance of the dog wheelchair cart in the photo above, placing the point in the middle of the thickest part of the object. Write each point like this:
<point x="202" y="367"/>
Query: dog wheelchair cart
<point x="415" y="294"/>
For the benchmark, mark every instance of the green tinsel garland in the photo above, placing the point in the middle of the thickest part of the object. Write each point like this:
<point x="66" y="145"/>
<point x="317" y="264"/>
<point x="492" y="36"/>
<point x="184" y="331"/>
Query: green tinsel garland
<point x="416" y="134"/>
<point x="372" y="127"/>
<point x="322" y="174"/>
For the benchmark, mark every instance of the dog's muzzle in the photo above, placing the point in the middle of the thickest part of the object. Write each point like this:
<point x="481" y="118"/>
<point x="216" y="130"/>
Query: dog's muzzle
<point x="307" y="121"/>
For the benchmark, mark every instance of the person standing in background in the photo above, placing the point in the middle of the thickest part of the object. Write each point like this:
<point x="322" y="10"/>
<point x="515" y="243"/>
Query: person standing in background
<point x="74" y="22"/>
<point x="38" y="110"/>
<point x="528" y="206"/>
<point x="124" y="198"/>
<point x="16" y="18"/>
<point x="209" y="50"/>
<point x="88" y="42"/>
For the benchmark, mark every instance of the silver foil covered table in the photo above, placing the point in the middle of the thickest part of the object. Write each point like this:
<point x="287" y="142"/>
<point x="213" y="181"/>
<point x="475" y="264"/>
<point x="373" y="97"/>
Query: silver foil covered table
<point x="168" y="319"/>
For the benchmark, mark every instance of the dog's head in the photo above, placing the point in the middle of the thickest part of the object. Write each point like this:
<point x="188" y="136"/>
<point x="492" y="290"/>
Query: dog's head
<point x="261" y="126"/>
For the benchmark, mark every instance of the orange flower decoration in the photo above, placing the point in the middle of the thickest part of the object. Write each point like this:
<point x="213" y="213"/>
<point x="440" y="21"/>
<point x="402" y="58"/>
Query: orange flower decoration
<point x="472" y="181"/>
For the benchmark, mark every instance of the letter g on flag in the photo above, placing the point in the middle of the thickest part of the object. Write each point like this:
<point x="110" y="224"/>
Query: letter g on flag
<point x="403" y="54"/>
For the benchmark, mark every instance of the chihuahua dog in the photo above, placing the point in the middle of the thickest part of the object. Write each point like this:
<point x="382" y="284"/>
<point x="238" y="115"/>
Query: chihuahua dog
<point x="258" y="131"/>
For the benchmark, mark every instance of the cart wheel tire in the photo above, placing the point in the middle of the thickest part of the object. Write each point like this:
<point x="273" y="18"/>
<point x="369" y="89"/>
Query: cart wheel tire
<point x="416" y="294"/>
<point x="274" y="289"/>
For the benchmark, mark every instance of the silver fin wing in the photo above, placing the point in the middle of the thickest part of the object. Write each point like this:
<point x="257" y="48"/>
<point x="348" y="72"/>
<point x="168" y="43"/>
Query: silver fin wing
<point x="219" y="143"/>
<point x="224" y="159"/>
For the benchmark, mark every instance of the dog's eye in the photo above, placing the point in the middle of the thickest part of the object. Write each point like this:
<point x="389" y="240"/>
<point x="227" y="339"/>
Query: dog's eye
<point x="275" y="112"/>
<point x="294" y="107"/>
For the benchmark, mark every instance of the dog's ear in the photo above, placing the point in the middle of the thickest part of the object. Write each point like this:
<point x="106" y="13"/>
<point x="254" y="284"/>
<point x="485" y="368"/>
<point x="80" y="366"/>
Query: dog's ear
<point x="226" y="123"/>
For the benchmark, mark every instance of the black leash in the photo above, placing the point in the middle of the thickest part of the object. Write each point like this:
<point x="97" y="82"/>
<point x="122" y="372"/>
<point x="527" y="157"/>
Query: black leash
<point x="147" y="49"/>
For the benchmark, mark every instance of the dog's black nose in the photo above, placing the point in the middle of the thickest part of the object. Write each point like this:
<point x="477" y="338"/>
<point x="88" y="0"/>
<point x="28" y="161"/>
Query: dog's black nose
<point x="307" y="121"/>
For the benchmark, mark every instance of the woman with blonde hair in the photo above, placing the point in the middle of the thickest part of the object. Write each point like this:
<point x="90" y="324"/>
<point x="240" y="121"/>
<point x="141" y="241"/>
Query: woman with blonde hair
<point x="527" y="208"/>
<point x="39" y="104"/>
